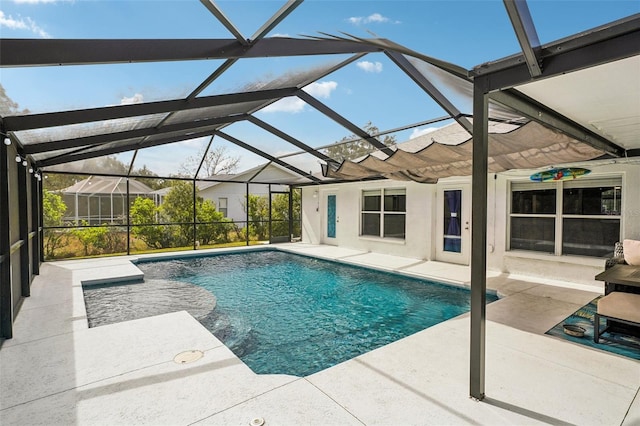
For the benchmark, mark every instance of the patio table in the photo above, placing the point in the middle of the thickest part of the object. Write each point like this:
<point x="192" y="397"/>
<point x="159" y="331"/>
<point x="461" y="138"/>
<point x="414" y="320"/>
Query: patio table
<point x="621" y="277"/>
<point x="624" y="278"/>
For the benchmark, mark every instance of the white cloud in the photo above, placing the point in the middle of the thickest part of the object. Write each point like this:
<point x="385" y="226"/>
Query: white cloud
<point x="292" y="105"/>
<point x="280" y="35"/>
<point x="321" y="90"/>
<point x="376" y="17"/>
<point x="22" y="24"/>
<point x="135" y="99"/>
<point x="373" y="18"/>
<point x="367" y="66"/>
<point x="419" y="132"/>
<point x="295" y="105"/>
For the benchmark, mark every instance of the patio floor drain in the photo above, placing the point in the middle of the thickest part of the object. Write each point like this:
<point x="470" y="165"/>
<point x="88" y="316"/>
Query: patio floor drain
<point x="188" y="356"/>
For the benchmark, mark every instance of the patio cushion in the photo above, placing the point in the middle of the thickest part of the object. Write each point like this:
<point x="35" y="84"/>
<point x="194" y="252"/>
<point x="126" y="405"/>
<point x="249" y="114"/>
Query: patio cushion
<point x="631" y="250"/>
<point x="620" y="305"/>
<point x="618" y="251"/>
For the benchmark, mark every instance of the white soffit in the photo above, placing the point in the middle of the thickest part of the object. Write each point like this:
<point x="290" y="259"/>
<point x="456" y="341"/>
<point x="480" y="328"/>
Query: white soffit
<point x="604" y="99"/>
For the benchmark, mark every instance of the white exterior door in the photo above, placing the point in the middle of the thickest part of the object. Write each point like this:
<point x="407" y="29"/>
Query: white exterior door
<point x="453" y="228"/>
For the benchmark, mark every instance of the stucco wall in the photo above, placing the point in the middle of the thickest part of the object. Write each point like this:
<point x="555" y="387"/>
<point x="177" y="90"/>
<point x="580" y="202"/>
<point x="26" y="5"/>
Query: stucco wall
<point x="577" y="269"/>
<point x="421" y="238"/>
<point x="420" y="211"/>
<point x="236" y="193"/>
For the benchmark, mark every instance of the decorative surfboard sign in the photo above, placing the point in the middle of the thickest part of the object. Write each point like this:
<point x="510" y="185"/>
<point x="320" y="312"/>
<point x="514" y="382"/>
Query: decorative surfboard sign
<point x="565" y="173"/>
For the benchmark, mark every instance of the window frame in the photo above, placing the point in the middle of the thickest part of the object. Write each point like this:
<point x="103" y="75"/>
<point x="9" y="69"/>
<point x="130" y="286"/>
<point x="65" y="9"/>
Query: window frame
<point x="381" y="212"/>
<point x="224" y="210"/>
<point x="559" y="216"/>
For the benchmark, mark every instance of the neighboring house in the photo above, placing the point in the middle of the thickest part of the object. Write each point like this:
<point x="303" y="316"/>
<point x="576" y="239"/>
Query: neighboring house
<point x="100" y="199"/>
<point x="560" y="230"/>
<point x="229" y="192"/>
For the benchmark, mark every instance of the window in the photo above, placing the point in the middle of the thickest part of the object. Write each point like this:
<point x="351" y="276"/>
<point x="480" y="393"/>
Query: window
<point x="577" y="217"/>
<point x="384" y="213"/>
<point x="222" y="206"/>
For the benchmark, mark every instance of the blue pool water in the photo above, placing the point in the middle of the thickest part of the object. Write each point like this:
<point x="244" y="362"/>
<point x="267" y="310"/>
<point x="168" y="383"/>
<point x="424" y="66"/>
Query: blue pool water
<point x="291" y="314"/>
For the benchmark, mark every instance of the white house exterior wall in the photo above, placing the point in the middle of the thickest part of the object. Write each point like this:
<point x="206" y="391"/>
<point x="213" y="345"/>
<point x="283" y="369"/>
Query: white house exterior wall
<point x="421" y="217"/>
<point x="235" y="193"/>
<point x="275" y="174"/>
<point x="576" y="269"/>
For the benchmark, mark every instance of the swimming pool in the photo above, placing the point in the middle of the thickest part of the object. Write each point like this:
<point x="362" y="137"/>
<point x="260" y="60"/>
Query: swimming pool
<point x="292" y="314"/>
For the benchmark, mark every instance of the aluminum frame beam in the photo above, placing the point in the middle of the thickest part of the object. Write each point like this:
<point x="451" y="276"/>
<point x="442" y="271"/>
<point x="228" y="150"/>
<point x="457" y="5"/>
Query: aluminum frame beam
<point x="282" y="135"/>
<point x="381" y="133"/>
<point x="277" y="17"/>
<point x="84" y="155"/>
<point x="54" y="52"/>
<point x="612" y="42"/>
<point x="535" y="111"/>
<point x="263" y="31"/>
<point x="63" y="118"/>
<point x="525" y="30"/>
<point x="204" y="155"/>
<point x="36" y="212"/>
<point x="203" y="125"/>
<point x="266" y="156"/>
<point x="424" y="83"/>
<point x="315" y="103"/>
<point x="6" y="302"/>
<point x="214" y="75"/>
<point x="23" y="230"/>
<point x="220" y="16"/>
<point x="480" y="169"/>
<point x="388" y="45"/>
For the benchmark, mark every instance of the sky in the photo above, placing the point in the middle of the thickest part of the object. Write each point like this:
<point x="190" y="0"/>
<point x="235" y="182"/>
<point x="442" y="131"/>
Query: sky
<point x="372" y="89"/>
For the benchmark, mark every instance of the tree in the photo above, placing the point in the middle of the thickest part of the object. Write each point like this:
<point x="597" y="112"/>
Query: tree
<point x="150" y="178"/>
<point x="143" y="214"/>
<point x="108" y="164"/>
<point x="115" y="241"/>
<point x="280" y="213"/>
<point x="217" y="161"/>
<point x="258" y="216"/>
<point x="358" y="148"/>
<point x="8" y="106"/>
<point x="177" y="207"/>
<point x="212" y="225"/>
<point x="53" y="209"/>
<point x="90" y="236"/>
<point x="57" y="181"/>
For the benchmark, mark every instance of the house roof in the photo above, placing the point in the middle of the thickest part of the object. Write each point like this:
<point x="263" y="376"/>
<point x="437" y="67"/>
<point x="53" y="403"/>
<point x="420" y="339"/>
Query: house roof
<point x="94" y="185"/>
<point x="254" y="174"/>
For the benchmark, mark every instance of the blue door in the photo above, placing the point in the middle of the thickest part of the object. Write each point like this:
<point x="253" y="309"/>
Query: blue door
<point x="452" y="216"/>
<point x="331" y="216"/>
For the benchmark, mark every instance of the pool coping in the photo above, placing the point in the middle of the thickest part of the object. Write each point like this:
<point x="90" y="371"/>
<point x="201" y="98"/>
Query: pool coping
<point x="136" y="274"/>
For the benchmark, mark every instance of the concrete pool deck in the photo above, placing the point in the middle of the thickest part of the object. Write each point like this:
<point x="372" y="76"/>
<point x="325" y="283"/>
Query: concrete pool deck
<point x="58" y="371"/>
